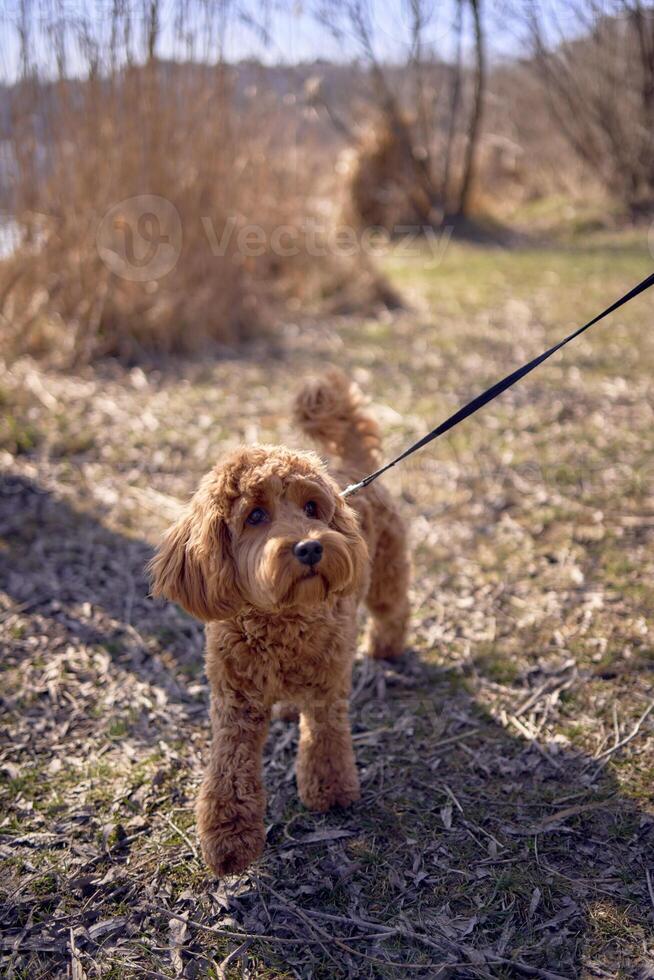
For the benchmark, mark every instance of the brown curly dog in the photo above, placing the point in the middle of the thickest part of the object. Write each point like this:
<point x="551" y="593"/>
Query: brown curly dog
<point x="275" y="562"/>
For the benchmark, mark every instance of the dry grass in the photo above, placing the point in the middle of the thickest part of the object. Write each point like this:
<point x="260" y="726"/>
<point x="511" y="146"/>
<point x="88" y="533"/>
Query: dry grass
<point x="499" y="833"/>
<point x="228" y="177"/>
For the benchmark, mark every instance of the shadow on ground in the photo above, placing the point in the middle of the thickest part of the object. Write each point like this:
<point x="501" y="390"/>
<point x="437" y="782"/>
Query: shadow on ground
<point x="487" y="848"/>
<point x="64" y="565"/>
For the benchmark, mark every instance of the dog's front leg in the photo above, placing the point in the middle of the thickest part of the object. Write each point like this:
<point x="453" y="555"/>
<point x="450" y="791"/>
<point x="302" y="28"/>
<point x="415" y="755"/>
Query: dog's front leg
<point x="232" y="800"/>
<point x="326" y="768"/>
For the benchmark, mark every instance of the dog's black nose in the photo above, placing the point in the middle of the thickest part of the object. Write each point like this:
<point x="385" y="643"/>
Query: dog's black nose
<point x="309" y="552"/>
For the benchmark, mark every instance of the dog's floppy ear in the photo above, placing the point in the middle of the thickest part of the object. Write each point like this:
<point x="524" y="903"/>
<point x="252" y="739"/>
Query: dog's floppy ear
<point x="346" y="522"/>
<point x="194" y="566"/>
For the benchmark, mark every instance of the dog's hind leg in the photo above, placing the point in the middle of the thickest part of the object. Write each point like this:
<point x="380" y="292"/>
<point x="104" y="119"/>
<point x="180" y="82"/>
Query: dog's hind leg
<point x="387" y="598"/>
<point x="326" y="768"/>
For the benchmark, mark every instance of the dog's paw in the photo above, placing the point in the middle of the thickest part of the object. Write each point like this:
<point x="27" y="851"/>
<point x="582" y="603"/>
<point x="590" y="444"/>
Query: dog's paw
<point x="386" y="640"/>
<point x="231" y="851"/>
<point x="378" y="650"/>
<point x="321" y="795"/>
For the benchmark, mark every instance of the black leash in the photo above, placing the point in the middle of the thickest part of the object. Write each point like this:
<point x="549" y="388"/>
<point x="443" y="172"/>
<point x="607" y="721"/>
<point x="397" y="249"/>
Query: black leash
<point x="497" y="389"/>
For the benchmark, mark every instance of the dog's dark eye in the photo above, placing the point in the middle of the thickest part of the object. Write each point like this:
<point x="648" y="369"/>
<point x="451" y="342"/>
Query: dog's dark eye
<point x="311" y="508"/>
<point x="258" y="516"/>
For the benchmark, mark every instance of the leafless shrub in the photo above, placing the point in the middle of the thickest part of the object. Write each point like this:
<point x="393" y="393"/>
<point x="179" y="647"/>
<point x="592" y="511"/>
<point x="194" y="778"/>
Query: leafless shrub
<point x="135" y="126"/>
<point x="416" y="161"/>
<point x="599" y="81"/>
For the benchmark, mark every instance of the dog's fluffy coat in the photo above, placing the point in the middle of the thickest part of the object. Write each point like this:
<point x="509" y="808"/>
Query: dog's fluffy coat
<point x="278" y="630"/>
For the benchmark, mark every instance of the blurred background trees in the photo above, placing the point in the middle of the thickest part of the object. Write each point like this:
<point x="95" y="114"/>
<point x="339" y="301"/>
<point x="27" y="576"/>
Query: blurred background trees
<point x="415" y="114"/>
<point x="416" y="160"/>
<point x="599" y="86"/>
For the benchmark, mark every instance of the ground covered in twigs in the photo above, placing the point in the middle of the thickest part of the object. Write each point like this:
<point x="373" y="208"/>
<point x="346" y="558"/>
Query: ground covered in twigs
<point x="506" y="826"/>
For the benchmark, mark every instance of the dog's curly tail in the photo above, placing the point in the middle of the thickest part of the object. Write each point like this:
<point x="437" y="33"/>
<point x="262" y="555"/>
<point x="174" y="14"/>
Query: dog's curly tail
<point x="330" y="409"/>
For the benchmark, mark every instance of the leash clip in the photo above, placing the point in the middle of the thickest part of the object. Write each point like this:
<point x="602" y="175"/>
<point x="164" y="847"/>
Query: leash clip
<point x="352" y="489"/>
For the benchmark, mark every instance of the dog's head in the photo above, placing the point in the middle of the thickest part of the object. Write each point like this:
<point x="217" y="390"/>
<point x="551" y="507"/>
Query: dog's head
<point x="266" y="529"/>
